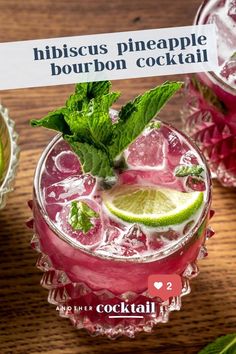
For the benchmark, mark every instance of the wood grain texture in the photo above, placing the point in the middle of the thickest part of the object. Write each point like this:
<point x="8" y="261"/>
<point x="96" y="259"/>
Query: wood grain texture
<point x="28" y="324"/>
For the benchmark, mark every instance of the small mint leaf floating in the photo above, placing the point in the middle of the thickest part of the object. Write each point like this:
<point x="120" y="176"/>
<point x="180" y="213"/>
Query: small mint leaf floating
<point x="223" y="345"/>
<point x="80" y="216"/>
<point x="183" y="170"/>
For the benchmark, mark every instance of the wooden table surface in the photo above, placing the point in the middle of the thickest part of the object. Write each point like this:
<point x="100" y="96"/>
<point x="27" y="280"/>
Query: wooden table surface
<point x="28" y="324"/>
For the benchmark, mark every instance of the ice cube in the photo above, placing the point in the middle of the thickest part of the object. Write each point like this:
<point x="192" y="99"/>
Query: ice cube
<point x="112" y="249"/>
<point x="47" y="180"/>
<point x="111" y="234"/>
<point x="155" y="244"/>
<point x="133" y="240"/>
<point x="232" y="10"/>
<point x="189" y="158"/>
<point x="127" y="244"/>
<point x="158" y="240"/>
<point x="70" y="188"/>
<point x="147" y="149"/>
<point x="174" y="148"/>
<point x="67" y="162"/>
<point x="195" y="184"/>
<point x="62" y="162"/>
<point x="162" y="177"/>
<point x="53" y="210"/>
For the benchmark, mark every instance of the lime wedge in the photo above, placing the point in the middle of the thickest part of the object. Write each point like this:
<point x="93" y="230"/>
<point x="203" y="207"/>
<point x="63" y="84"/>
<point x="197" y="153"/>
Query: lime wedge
<point x="151" y="206"/>
<point x="1" y="160"/>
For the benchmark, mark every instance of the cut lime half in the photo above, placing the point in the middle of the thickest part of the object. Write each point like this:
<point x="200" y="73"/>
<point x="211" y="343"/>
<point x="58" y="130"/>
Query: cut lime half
<point x="1" y="160"/>
<point x="152" y="206"/>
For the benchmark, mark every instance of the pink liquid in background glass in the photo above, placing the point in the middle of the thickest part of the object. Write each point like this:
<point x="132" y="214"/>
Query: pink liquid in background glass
<point x="114" y="259"/>
<point x="213" y="127"/>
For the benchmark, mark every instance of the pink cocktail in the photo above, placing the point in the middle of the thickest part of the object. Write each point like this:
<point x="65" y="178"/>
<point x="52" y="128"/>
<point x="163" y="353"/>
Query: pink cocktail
<point x="210" y="110"/>
<point x="91" y="275"/>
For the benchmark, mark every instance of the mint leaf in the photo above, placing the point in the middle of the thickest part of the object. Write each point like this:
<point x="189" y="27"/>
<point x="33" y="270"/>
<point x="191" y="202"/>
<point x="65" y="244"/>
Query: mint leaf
<point x="84" y="92"/>
<point x="53" y="120"/>
<point x="208" y="94"/>
<point x="80" y="216"/>
<point x="99" y="88"/>
<point x="93" y="160"/>
<point x="135" y="115"/>
<point x="183" y="170"/>
<point x="93" y="124"/>
<point x="223" y="345"/>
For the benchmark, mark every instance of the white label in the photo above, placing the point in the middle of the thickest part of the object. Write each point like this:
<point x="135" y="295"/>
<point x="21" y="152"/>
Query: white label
<point x="111" y="56"/>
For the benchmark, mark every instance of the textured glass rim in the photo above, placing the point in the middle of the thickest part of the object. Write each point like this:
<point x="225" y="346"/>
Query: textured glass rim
<point x="7" y="184"/>
<point x="150" y="258"/>
<point x="212" y="76"/>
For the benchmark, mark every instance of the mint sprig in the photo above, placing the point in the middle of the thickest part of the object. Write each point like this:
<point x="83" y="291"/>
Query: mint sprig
<point x="80" y="216"/>
<point x="223" y="345"/>
<point x="86" y="124"/>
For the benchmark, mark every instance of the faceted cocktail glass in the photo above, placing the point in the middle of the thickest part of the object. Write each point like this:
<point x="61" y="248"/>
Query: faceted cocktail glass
<point x="209" y="114"/>
<point x="110" y="266"/>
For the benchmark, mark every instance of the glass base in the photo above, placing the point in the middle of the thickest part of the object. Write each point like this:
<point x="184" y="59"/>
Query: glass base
<point x="73" y="300"/>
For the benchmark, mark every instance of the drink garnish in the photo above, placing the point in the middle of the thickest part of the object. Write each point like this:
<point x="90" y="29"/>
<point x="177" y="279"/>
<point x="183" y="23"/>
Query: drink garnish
<point x="81" y="215"/>
<point x="1" y="160"/>
<point x="151" y="206"/>
<point x="193" y="170"/>
<point x="86" y="125"/>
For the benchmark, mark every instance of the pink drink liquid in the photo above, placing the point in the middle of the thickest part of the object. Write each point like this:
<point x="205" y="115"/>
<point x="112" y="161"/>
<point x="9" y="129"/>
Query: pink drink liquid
<point x="113" y="260"/>
<point x="212" y="121"/>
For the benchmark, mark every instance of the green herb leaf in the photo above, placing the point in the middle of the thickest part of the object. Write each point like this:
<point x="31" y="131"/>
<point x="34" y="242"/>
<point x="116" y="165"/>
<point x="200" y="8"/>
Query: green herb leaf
<point x="183" y="170"/>
<point x="53" y="120"/>
<point x="93" y="124"/>
<point x="135" y="115"/>
<point x="223" y="345"/>
<point x="93" y="160"/>
<point x="99" y="88"/>
<point x="80" y="216"/>
<point x="84" y="92"/>
<point x="86" y="124"/>
<point x="208" y="94"/>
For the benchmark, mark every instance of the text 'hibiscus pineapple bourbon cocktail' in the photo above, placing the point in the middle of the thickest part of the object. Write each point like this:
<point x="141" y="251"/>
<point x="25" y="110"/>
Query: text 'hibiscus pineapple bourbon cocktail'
<point x="118" y="197"/>
<point x="210" y="109"/>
